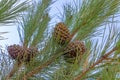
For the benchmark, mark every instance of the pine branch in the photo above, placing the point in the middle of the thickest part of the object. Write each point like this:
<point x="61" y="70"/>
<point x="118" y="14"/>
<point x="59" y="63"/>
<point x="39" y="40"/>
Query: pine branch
<point x="91" y="14"/>
<point x="88" y="15"/>
<point x="9" y="10"/>
<point x="1" y="37"/>
<point x="35" y="23"/>
<point x="104" y="57"/>
<point x="42" y="66"/>
<point x="16" y="66"/>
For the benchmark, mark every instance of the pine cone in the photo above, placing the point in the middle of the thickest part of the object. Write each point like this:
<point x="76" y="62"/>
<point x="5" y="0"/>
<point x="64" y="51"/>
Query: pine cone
<point x="20" y="53"/>
<point x="74" y="49"/>
<point x="61" y="34"/>
<point x="31" y="52"/>
<point x="16" y="51"/>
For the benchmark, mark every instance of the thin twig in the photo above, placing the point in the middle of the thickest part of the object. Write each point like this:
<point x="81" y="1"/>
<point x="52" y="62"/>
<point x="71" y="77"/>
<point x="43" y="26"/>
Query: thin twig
<point x="79" y="77"/>
<point x="77" y="29"/>
<point x="16" y="66"/>
<point x="39" y="68"/>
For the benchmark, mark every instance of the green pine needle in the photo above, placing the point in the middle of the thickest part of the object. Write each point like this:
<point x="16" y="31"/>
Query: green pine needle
<point x="82" y="19"/>
<point x="35" y="23"/>
<point x="91" y="14"/>
<point x="10" y="9"/>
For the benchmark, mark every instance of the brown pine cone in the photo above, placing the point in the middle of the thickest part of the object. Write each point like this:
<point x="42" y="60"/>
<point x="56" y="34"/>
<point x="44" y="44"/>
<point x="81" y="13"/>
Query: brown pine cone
<point x="61" y="34"/>
<point x="74" y="49"/>
<point x="16" y="51"/>
<point x="21" y="53"/>
<point x="31" y="52"/>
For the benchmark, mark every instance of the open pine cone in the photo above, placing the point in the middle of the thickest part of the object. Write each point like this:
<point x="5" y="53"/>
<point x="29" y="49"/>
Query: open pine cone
<point x="21" y="53"/>
<point x="61" y="34"/>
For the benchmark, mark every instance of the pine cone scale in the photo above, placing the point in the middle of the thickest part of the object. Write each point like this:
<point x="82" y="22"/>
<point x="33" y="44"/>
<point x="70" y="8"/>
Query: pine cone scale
<point x="61" y="34"/>
<point x="21" y="53"/>
<point x="74" y="49"/>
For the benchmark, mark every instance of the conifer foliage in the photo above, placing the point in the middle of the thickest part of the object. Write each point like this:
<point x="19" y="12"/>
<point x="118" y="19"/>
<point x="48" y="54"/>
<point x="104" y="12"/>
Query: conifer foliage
<point x="84" y="45"/>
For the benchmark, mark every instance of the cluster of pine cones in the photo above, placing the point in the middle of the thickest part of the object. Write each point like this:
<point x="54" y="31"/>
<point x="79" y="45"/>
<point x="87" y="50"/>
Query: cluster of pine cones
<point x="21" y="53"/>
<point x="62" y="36"/>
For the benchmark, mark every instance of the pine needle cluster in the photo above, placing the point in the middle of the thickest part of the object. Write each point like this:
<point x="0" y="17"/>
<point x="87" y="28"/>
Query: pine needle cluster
<point x="84" y="45"/>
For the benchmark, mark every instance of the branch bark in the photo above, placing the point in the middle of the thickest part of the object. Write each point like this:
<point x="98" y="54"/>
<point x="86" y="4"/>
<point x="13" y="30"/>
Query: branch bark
<point x="39" y="68"/>
<point x="79" y="77"/>
<point x="16" y="66"/>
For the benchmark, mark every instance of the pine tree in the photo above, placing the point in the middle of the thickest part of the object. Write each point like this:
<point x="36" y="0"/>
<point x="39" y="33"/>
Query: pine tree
<point x="9" y="10"/>
<point x="76" y="48"/>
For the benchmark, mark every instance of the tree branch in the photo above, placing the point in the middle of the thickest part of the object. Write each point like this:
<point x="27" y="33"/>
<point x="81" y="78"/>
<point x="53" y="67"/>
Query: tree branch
<point x="79" y="77"/>
<point x="39" y="68"/>
<point x="16" y="66"/>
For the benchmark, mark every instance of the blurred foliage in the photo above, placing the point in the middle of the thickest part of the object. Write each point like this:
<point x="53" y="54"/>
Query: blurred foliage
<point x="90" y="21"/>
<point x="9" y="11"/>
